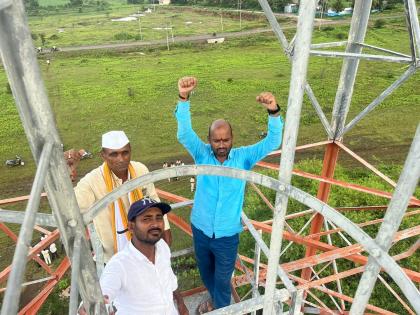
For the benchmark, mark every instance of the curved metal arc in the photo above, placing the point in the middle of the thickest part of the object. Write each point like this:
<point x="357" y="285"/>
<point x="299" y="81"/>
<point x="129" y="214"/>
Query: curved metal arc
<point x="382" y="257"/>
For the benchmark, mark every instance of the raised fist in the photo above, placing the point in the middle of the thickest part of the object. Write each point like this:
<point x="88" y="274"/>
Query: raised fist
<point x="267" y="100"/>
<point x="186" y="85"/>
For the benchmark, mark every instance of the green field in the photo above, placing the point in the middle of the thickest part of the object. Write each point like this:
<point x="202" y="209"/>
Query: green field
<point x="91" y="27"/>
<point x="136" y="90"/>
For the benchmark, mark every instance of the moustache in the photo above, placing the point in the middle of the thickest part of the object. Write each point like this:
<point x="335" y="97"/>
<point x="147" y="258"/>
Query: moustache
<point x="155" y="229"/>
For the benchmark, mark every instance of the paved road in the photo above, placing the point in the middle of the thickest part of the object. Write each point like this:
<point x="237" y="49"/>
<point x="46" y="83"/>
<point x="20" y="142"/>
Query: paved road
<point x="203" y="38"/>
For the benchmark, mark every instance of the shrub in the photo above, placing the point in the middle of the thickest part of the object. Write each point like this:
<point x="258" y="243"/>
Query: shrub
<point x="8" y="88"/>
<point x="328" y="28"/>
<point x="123" y="36"/>
<point x="54" y="37"/>
<point x="340" y="35"/>
<point x="379" y="23"/>
<point x="130" y="92"/>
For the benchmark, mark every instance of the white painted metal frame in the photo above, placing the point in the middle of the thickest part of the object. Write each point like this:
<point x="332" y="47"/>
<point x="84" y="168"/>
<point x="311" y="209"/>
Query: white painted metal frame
<point x="20" y="63"/>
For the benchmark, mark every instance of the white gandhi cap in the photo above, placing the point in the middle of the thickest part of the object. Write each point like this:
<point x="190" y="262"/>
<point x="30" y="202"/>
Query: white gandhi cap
<point x="114" y="140"/>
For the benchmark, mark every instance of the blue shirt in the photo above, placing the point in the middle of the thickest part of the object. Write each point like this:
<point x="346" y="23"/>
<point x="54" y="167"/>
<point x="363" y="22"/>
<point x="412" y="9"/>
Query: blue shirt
<point x="218" y="200"/>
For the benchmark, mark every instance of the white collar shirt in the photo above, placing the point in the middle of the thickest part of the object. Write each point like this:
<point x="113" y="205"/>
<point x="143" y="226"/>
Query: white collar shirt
<point x="137" y="286"/>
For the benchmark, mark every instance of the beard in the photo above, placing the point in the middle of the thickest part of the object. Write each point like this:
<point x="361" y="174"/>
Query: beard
<point x="222" y="152"/>
<point x="151" y="237"/>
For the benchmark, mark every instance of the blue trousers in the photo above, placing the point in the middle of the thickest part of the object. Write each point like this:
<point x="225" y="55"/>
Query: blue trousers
<point x="216" y="260"/>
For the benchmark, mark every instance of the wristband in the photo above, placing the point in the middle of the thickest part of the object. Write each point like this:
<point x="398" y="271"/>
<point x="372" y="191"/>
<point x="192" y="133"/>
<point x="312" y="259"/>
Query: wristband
<point x="184" y="99"/>
<point x="275" y="111"/>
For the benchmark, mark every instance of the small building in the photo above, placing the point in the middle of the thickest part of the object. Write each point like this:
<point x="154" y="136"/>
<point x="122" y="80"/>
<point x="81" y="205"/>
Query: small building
<point x="164" y="2"/>
<point x="346" y="11"/>
<point x="291" y="8"/>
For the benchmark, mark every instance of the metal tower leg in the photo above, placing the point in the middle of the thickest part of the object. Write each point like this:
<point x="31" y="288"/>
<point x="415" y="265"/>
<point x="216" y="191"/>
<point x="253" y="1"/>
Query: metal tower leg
<point x="344" y="94"/>
<point x="11" y="298"/>
<point x="21" y="65"/>
<point x="297" y="86"/>
<point x="396" y="209"/>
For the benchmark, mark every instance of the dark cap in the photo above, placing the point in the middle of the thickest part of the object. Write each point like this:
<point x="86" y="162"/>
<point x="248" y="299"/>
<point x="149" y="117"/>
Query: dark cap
<point x="142" y="205"/>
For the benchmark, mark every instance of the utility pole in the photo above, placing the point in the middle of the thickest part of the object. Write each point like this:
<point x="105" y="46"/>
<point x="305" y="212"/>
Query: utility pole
<point x="221" y="19"/>
<point x="167" y="36"/>
<point x="240" y="13"/>
<point x="141" y="35"/>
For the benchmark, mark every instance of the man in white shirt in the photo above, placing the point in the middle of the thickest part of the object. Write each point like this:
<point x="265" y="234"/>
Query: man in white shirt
<point x="53" y="250"/>
<point x="46" y="255"/>
<point x="139" y="279"/>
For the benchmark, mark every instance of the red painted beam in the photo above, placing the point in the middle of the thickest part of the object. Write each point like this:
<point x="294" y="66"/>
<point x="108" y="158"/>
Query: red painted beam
<point x="357" y="258"/>
<point x="33" y="252"/>
<point x="17" y="199"/>
<point x="372" y="191"/>
<point x="32" y="307"/>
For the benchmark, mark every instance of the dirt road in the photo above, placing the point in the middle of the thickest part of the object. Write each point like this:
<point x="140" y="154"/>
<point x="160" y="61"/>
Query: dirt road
<point x="204" y="37"/>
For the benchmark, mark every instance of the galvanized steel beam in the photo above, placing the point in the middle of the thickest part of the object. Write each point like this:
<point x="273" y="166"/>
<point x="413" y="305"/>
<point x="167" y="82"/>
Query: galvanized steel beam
<point x="11" y="297"/>
<point x="396" y="209"/>
<point x="75" y="276"/>
<point x="21" y="66"/>
<point x="289" y="50"/>
<point x="387" y="263"/>
<point x="16" y="217"/>
<point x="250" y="305"/>
<point x="294" y="106"/>
<point x="404" y="77"/>
<point x="344" y="94"/>
<point x="358" y="56"/>
<point x="412" y="10"/>
<point x="391" y="52"/>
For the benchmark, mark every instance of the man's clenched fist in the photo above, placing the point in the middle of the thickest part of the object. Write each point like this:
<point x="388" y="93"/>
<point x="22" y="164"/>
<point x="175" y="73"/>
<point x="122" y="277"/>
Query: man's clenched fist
<point x="186" y="85"/>
<point x="267" y="100"/>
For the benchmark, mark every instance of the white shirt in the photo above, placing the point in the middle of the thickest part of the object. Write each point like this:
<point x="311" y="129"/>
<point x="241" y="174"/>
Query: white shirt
<point x="53" y="248"/>
<point x="137" y="286"/>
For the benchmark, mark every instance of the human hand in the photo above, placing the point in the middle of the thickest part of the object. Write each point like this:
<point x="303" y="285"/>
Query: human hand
<point x="111" y="310"/>
<point x="186" y="85"/>
<point x="267" y="100"/>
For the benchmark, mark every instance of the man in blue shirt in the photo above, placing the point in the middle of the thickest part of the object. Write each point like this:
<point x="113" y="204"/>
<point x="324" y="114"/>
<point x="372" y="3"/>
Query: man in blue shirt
<point x="216" y="214"/>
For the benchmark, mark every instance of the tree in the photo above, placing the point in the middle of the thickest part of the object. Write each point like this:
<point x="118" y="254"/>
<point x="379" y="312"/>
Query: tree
<point x="76" y="3"/>
<point x="31" y="5"/>
<point x="338" y="6"/>
<point x="377" y="4"/>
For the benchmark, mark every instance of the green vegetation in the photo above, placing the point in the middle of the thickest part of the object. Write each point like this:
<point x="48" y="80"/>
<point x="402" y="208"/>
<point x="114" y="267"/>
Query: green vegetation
<point x="136" y="91"/>
<point x="96" y="27"/>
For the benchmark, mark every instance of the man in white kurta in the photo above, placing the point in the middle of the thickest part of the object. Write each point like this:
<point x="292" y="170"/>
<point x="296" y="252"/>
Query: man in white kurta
<point x="95" y="185"/>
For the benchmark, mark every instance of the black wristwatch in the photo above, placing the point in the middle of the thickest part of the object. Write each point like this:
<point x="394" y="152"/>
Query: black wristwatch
<point x="272" y="112"/>
<point x="184" y="99"/>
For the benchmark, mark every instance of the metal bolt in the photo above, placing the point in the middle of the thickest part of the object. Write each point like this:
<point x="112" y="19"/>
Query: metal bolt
<point x="72" y="223"/>
<point x="376" y="253"/>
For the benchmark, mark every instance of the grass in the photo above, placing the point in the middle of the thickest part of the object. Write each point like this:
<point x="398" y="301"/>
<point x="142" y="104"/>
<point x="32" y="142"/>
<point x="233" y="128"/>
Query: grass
<point x="89" y="95"/>
<point x="91" y="27"/>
